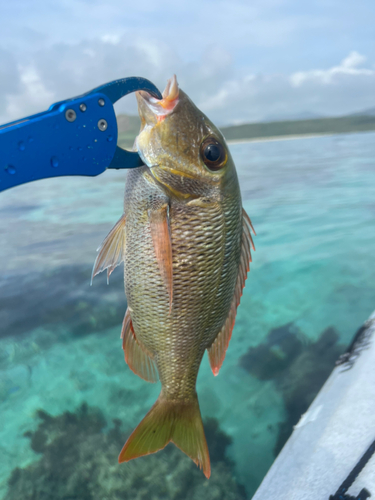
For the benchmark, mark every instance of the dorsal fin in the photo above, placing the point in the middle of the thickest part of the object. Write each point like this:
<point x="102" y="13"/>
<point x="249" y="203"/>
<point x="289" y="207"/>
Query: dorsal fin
<point x="161" y="239"/>
<point x="216" y="353"/>
<point x="136" y="356"/>
<point x="112" y="250"/>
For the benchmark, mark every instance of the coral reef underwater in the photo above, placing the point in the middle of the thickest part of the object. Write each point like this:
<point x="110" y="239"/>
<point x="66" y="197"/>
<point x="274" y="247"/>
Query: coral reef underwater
<point x="79" y="462"/>
<point x="298" y="367"/>
<point x="60" y="296"/>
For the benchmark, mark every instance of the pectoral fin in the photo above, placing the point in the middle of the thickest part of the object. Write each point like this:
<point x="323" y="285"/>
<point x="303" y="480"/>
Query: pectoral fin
<point x="161" y="239"/>
<point x="112" y="250"/>
<point x="217" y="351"/>
<point x="136" y="356"/>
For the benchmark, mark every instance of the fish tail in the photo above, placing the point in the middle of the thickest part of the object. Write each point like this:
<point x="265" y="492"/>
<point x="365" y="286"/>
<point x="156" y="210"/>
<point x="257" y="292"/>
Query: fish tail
<point x="176" y="421"/>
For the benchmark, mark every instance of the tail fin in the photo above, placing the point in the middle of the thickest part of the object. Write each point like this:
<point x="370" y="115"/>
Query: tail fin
<point x="176" y="421"/>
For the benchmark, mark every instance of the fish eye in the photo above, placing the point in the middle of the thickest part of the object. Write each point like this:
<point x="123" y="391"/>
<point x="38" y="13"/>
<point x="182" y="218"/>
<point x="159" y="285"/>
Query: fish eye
<point x="213" y="154"/>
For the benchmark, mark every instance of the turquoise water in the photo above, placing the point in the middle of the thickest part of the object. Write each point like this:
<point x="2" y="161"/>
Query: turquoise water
<point x="312" y="204"/>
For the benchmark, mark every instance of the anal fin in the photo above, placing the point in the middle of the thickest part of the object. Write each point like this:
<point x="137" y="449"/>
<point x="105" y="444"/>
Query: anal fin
<point x="217" y="351"/>
<point x="136" y="356"/>
<point x="112" y="250"/>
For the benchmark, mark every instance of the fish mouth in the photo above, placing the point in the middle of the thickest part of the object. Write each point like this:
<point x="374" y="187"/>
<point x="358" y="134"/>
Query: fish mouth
<point x="161" y="108"/>
<point x="152" y="112"/>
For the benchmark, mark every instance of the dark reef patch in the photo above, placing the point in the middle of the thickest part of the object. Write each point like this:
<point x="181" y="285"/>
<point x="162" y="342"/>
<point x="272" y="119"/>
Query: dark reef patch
<point x="268" y="360"/>
<point x="79" y="462"/>
<point x="61" y="296"/>
<point x="297" y="366"/>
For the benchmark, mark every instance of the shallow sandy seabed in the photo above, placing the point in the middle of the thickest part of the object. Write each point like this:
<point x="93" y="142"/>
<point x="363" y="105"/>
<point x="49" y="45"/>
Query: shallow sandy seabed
<point x="311" y="203"/>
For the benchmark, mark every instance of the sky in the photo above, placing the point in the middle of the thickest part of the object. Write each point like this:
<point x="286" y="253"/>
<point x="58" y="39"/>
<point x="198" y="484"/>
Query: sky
<point x="239" y="60"/>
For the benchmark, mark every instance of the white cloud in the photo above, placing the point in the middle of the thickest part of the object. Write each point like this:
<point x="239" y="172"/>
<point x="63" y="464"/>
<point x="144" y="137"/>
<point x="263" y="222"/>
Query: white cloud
<point x="353" y="59"/>
<point x="9" y="81"/>
<point x="345" y="88"/>
<point x="66" y="70"/>
<point x="33" y="94"/>
<point x="62" y="71"/>
<point x="348" y="66"/>
<point x="111" y="38"/>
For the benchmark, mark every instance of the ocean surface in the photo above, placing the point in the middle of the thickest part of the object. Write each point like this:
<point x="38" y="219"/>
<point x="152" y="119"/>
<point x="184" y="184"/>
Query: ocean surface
<point x="311" y="286"/>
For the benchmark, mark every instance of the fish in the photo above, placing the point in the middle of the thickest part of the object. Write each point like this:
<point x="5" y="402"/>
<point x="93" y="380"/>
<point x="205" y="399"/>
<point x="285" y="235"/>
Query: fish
<point x="186" y="242"/>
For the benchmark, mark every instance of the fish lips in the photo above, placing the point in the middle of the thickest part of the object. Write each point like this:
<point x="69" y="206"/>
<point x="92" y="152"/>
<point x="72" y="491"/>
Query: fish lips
<point x="152" y="110"/>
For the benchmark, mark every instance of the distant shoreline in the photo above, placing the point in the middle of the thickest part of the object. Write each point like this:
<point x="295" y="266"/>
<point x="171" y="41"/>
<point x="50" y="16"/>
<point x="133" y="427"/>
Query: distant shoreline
<point x="298" y="128"/>
<point x="274" y="138"/>
<point x="290" y="137"/>
<point x="268" y="131"/>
